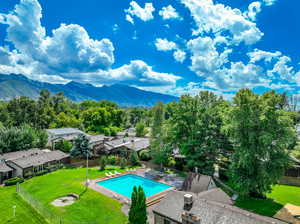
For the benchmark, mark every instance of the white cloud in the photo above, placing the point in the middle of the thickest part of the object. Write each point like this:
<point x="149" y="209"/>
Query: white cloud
<point x="269" y="2"/>
<point x="135" y="9"/>
<point x="129" y="19"/>
<point x="164" y="45"/>
<point x="205" y="57"/>
<point x="283" y="70"/>
<point x="217" y="18"/>
<point x="179" y="56"/>
<point x="258" y="55"/>
<point x="253" y="9"/>
<point x="68" y="54"/>
<point x="169" y="12"/>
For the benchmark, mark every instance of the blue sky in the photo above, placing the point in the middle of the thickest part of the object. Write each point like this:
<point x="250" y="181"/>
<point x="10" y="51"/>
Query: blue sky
<point x="169" y="46"/>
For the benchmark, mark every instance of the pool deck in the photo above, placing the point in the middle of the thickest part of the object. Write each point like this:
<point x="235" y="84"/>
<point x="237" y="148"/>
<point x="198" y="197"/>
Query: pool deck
<point x="123" y="199"/>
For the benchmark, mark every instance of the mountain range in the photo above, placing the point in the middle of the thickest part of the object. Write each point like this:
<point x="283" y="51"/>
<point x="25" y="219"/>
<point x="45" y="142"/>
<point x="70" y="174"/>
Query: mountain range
<point x="15" y="85"/>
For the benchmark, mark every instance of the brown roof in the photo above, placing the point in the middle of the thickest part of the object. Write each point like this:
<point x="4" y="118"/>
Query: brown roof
<point x="209" y="211"/>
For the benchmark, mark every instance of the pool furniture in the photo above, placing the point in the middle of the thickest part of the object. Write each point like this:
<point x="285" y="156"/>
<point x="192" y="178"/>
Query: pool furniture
<point x="107" y="175"/>
<point x="111" y="174"/>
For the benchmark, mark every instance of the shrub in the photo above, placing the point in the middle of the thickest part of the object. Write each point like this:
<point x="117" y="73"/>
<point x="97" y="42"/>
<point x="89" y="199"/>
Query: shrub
<point x="134" y="159"/>
<point x="112" y="160"/>
<point x="13" y="181"/>
<point x="171" y="162"/>
<point x="63" y="145"/>
<point x="145" y="155"/>
<point x="103" y="162"/>
<point x="41" y="172"/>
<point x="123" y="163"/>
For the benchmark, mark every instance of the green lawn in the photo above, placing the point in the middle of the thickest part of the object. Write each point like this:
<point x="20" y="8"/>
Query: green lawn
<point x="280" y="195"/>
<point x="91" y="207"/>
<point x="24" y="213"/>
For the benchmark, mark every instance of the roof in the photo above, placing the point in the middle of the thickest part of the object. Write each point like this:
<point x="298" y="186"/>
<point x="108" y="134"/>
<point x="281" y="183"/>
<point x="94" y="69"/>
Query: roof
<point x="130" y="131"/>
<point x="131" y="143"/>
<point x="64" y="131"/>
<point x="208" y="210"/>
<point x="196" y="182"/>
<point x="20" y="154"/>
<point x="96" y="138"/>
<point x="138" y="144"/>
<point x="39" y="159"/>
<point x="4" y="168"/>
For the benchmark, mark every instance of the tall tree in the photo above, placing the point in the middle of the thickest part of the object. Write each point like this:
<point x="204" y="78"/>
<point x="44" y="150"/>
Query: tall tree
<point x="196" y="124"/>
<point x="138" y="208"/>
<point x="81" y="147"/>
<point x="260" y="131"/>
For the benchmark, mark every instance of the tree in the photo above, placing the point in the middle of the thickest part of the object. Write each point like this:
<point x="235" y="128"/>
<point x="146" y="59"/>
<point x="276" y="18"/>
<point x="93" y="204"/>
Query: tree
<point x="63" y="145"/>
<point x="134" y="158"/>
<point x="138" y="208"/>
<point x="260" y="131"/>
<point x="140" y="129"/>
<point x="196" y="128"/>
<point x="123" y="163"/>
<point x="103" y="162"/>
<point x="81" y="147"/>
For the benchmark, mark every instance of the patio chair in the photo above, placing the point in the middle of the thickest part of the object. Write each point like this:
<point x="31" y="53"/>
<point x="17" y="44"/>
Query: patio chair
<point x="107" y="175"/>
<point x="117" y="173"/>
<point x="111" y="174"/>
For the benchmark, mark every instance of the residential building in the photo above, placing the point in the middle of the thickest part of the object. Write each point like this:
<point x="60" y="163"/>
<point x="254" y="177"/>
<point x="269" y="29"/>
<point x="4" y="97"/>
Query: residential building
<point x="208" y="207"/>
<point x="126" y="145"/>
<point x="21" y="163"/>
<point x="58" y="134"/>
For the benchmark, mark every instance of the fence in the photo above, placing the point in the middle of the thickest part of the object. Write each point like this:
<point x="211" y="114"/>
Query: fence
<point x="50" y="217"/>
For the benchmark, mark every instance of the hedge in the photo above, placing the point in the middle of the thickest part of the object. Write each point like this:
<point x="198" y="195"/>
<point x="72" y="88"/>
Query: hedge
<point x="13" y="181"/>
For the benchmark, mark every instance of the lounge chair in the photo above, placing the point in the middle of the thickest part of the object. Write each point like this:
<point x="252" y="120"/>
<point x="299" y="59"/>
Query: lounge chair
<point x="111" y="174"/>
<point x="107" y="175"/>
<point x="117" y="173"/>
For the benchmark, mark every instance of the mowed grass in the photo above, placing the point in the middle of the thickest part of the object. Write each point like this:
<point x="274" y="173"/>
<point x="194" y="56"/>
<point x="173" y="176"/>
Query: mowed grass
<point x="280" y="195"/>
<point x="91" y="207"/>
<point x="24" y="213"/>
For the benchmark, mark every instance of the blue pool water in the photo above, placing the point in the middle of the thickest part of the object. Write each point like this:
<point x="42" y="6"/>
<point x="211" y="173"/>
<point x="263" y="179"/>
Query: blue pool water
<point x="124" y="185"/>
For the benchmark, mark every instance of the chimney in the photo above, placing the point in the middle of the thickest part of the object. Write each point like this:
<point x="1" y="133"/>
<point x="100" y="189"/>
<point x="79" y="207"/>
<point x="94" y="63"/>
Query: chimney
<point x="189" y="218"/>
<point x="188" y="201"/>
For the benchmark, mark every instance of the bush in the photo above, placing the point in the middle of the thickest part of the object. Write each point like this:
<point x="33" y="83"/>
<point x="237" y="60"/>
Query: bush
<point x="112" y="160"/>
<point x="103" y="162"/>
<point x="145" y="155"/>
<point x="41" y="172"/>
<point x="123" y="163"/>
<point x="13" y="181"/>
<point x="171" y="162"/>
<point x="134" y="159"/>
<point x="63" y="145"/>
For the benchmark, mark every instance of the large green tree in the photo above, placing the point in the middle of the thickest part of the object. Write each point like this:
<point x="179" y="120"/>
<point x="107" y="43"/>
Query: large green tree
<point x="196" y="124"/>
<point x="81" y="147"/>
<point x="138" y="208"/>
<point x="261" y="131"/>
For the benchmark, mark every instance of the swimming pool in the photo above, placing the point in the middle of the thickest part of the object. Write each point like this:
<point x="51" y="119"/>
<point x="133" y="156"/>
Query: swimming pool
<point x="124" y="185"/>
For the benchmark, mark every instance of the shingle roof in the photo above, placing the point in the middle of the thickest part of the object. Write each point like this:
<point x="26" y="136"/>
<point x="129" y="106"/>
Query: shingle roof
<point x="209" y="211"/>
<point x="196" y="183"/>
<point x="64" y="131"/>
<point x="136" y="144"/>
<point x="39" y="159"/>
<point x="20" y="154"/>
<point x="96" y="138"/>
<point x="4" y="167"/>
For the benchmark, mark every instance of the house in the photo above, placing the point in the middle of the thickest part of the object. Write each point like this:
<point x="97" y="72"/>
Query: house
<point x="97" y="143"/>
<point x="58" y="134"/>
<point x="130" y="132"/>
<point x="22" y="163"/>
<point x="208" y="207"/>
<point x="126" y="145"/>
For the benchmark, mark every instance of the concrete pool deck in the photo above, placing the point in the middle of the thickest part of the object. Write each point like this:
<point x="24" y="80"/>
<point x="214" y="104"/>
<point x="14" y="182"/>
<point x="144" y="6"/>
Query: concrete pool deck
<point x="123" y="199"/>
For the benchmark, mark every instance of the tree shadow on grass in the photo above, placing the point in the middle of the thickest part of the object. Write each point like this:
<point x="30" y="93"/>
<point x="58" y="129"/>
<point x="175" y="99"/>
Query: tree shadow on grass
<point x="267" y="207"/>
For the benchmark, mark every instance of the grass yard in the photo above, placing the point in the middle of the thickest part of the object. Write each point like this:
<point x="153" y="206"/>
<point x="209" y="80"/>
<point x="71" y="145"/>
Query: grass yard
<point x="280" y="195"/>
<point x="91" y="207"/>
<point x="24" y="213"/>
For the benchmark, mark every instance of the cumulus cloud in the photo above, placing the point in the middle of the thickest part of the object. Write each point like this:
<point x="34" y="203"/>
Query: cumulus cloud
<point x="205" y="57"/>
<point x="136" y="10"/>
<point x="253" y="9"/>
<point x="169" y="12"/>
<point x="164" y="45"/>
<point x="179" y="56"/>
<point x="258" y="55"/>
<point x="69" y="53"/>
<point x="129" y="19"/>
<point x="220" y="19"/>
